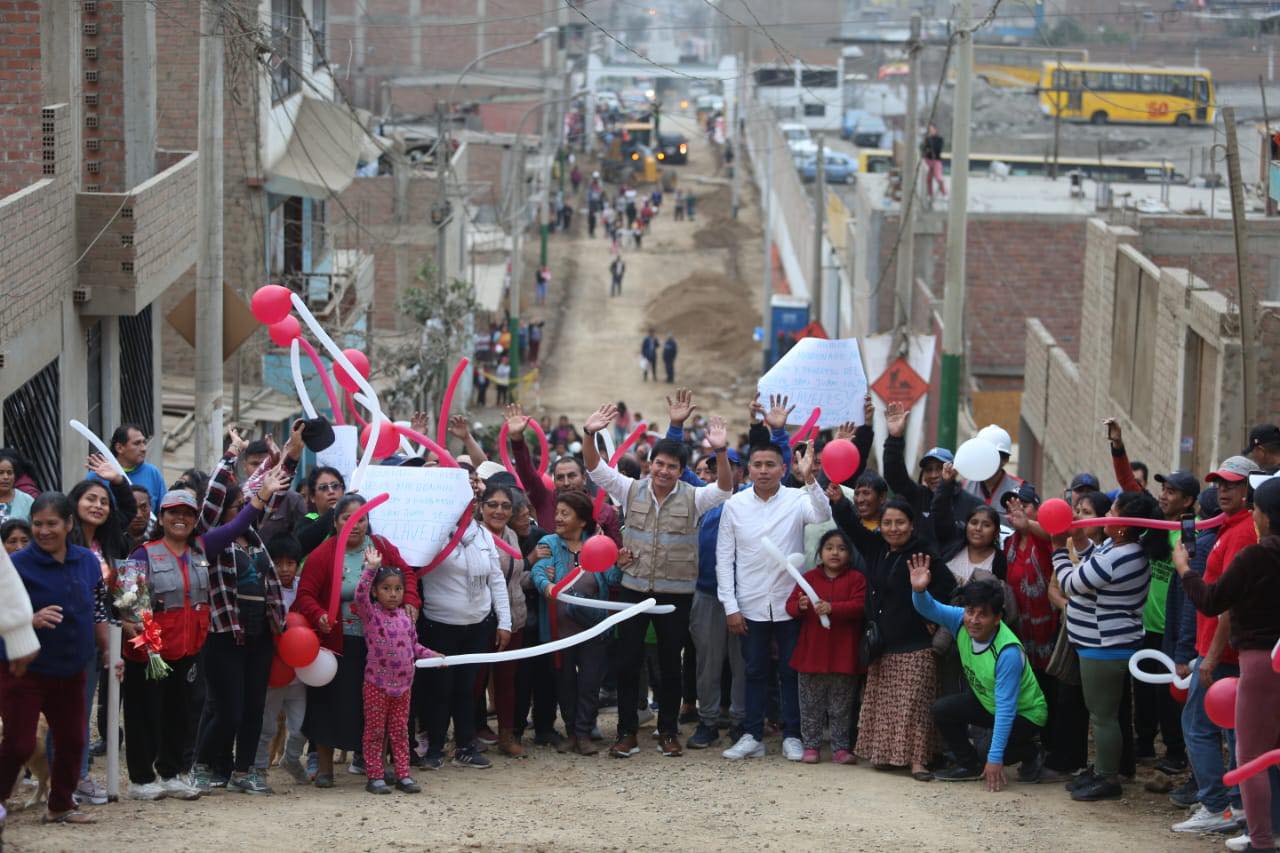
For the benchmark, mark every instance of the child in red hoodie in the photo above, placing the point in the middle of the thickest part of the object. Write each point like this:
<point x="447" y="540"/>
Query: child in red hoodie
<point x="826" y="659"/>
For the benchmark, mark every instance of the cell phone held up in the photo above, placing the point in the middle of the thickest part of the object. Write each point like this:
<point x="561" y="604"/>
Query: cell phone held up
<point x="1189" y="535"/>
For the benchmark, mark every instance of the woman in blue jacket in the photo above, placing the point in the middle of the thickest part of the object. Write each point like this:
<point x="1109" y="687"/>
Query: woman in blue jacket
<point x="581" y="668"/>
<point x="64" y="582"/>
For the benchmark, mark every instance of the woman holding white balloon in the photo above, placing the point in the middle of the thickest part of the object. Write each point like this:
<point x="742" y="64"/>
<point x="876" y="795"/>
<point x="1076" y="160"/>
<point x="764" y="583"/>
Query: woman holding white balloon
<point x="175" y="569"/>
<point x="335" y="709"/>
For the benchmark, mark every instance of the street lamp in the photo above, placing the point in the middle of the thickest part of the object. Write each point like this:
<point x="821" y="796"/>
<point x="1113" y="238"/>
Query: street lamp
<point x="517" y="229"/>
<point x="545" y="34"/>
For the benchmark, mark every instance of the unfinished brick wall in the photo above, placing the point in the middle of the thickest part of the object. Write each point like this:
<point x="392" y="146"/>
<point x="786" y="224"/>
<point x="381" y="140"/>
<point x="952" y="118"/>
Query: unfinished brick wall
<point x="102" y="44"/>
<point x="20" y="95"/>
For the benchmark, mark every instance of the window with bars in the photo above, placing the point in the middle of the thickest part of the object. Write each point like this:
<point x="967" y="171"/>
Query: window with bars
<point x="286" y="42"/>
<point x="137" y="380"/>
<point x="33" y="425"/>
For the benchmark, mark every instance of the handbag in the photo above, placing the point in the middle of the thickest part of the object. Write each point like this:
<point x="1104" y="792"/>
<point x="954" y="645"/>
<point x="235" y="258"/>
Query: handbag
<point x="1064" y="662"/>
<point x="872" y="645"/>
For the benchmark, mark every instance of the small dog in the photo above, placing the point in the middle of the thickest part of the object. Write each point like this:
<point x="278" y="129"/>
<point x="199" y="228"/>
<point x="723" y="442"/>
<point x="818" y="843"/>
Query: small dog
<point x="38" y="765"/>
<point x="275" y="752"/>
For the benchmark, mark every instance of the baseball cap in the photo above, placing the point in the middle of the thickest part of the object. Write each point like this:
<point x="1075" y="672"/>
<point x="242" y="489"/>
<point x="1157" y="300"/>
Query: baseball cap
<point x="1025" y="493"/>
<point x="1183" y="481"/>
<point x="1085" y="481"/>
<point x="488" y="468"/>
<point x="404" y="461"/>
<point x="179" y="497"/>
<point x="735" y="458"/>
<point x="1262" y="434"/>
<point x="1209" y="502"/>
<point x="941" y="454"/>
<point x="1233" y="469"/>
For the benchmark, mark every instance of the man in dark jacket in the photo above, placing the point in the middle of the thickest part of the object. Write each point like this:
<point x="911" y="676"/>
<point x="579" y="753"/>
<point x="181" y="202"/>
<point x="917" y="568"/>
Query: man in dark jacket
<point x="649" y="351"/>
<point x="669" y="350"/>
<point x="919" y="491"/>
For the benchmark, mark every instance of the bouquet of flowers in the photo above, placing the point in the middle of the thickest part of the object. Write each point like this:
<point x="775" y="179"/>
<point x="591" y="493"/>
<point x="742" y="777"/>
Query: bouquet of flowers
<point x="133" y="601"/>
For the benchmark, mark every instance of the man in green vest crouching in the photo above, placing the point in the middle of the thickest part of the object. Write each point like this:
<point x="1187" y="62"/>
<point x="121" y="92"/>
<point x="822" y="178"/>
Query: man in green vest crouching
<point x="1006" y="697"/>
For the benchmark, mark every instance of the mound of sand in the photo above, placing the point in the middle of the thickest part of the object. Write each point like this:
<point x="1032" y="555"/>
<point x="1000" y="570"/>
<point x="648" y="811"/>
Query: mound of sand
<point x="707" y="312"/>
<point x="722" y="234"/>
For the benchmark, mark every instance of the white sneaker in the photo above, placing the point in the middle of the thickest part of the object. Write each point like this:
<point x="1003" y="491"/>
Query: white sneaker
<point x="1203" y="820"/>
<point x="746" y="747"/>
<point x="1240" y="842"/>
<point x="792" y="748"/>
<point x="149" y="791"/>
<point x="89" y="792"/>
<point x="179" y="789"/>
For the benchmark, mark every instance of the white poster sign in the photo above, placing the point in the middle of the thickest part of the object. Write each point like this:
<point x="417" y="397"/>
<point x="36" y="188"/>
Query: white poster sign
<point x="423" y="510"/>
<point x="818" y="373"/>
<point x="342" y="453"/>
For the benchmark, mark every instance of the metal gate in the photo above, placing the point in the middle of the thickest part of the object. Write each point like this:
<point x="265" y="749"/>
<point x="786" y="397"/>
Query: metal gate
<point x="33" y="427"/>
<point x="137" y="381"/>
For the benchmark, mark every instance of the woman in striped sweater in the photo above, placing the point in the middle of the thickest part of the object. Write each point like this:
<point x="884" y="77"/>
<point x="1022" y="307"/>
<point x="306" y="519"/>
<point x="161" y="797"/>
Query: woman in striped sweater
<point x="1106" y="593"/>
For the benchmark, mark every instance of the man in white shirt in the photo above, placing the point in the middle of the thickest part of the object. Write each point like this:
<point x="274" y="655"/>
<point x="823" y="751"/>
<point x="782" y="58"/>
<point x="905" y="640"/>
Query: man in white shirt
<point x="660" y="529"/>
<point x="755" y="595"/>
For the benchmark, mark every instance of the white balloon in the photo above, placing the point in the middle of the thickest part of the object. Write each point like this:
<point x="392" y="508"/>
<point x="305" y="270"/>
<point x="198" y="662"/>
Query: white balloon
<point x="320" y="671"/>
<point x="1170" y="676"/>
<point x="776" y="553"/>
<point x="977" y="459"/>
<point x="796" y="560"/>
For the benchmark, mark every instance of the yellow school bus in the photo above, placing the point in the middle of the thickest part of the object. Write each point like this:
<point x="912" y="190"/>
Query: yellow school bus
<point x="1015" y="66"/>
<point x="1129" y="94"/>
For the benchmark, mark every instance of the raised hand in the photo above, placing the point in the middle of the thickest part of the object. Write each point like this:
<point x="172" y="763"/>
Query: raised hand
<point x="868" y="409"/>
<point x="895" y="419"/>
<point x="420" y="422"/>
<point x="293" y="447"/>
<point x="600" y="418"/>
<point x="920" y="574"/>
<point x="779" y="412"/>
<point x="98" y="464"/>
<point x="802" y="467"/>
<point x="754" y="409"/>
<point x="459" y="428"/>
<point x="517" y="421"/>
<point x="681" y="407"/>
<point x="237" y="444"/>
<point x="372" y="557"/>
<point x="949" y="472"/>
<point x="276" y="480"/>
<point x="847" y="430"/>
<point x="1113" y="432"/>
<point x="717" y="433"/>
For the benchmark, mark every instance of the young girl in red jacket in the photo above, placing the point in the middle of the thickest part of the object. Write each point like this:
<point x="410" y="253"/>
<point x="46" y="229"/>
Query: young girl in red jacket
<point x="826" y="659"/>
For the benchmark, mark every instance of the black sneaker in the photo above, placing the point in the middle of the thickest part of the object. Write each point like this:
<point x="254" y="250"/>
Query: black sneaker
<point x="703" y="737"/>
<point x="408" y="786"/>
<point x="1081" y="779"/>
<point x="470" y="757"/>
<point x="98" y="748"/>
<point x="1172" y="765"/>
<point x="1030" y="769"/>
<point x="608" y="699"/>
<point x="377" y="786"/>
<point x="551" y="738"/>
<point x="959" y="773"/>
<point x="1185" y="795"/>
<point x="1098" y="789"/>
<point x="432" y="762"/>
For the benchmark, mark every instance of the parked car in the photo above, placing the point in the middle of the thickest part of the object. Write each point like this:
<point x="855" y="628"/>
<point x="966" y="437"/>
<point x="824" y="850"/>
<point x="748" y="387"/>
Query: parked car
<point x="851" y="119"/>
<point x="841" y="168"/>
<point x="673" y="148"/>
<point x="869" y="132"/>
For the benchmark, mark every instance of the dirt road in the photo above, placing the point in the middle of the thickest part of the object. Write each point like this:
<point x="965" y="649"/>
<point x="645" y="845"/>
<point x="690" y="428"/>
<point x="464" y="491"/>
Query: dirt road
<point x="698" y="802"/>
<point x="697" y="280"/>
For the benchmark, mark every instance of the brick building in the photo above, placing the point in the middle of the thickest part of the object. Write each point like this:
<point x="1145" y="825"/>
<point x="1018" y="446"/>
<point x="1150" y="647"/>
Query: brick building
<point x="99" y="221"/>
<point x="1159" y="351"/>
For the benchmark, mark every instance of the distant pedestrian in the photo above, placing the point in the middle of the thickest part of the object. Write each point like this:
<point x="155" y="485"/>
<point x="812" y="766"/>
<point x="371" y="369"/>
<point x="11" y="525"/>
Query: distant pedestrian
<point x="566" y="216"/>
<point x="504" y="381"/>
<point x="931" y="150"/>
<point x="535" y="340"/>
<point x="481" y="385"/>
<point x="631" y="212"/>
<point x="679" y="205"/>
<point x="689" y="202"/>
<point x="649" y="350"/>
<point x="541" y="280"/>
<point x="591" y="221"/>
<point x="669" y="349"/>
<point x="575" y="178"/>
<point x="617" y="269"/>
<point x="637" y="233"/>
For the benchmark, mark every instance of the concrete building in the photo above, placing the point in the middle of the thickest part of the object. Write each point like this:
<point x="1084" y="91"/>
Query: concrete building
<point x="1159" y="350"/>
<point x="98" y="218"/>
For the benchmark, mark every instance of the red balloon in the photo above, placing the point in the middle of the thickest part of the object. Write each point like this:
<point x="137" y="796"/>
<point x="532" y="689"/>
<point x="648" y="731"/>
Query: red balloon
<point x="388" y="439"/>
<point x="281" y="673"/>
<point x="598" y="553"/>
<point x="294" y="619"/>
<point x="1055" y="516"/>
<point x="840" y="459"/>
<point x="283" y="333"/>
<point x="1220" y="702"/>
<point x="271" y="303"/>
<point x="298" y="646"/>
<point x="1179" y="694"/>
<point x="359" y="362"/>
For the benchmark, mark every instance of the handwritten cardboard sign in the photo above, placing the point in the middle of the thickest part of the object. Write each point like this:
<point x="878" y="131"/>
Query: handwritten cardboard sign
<point x="342" y="453"/>
<point x="818" y="373"/>
<point x="423" y="510"/>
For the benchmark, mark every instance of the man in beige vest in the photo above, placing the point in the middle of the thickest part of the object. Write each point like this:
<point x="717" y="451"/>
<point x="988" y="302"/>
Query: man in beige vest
<point x="660" y="529"/>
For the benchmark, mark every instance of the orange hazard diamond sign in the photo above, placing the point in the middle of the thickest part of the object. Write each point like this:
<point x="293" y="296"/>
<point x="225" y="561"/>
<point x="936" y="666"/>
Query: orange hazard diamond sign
<point x="900" y="384"/>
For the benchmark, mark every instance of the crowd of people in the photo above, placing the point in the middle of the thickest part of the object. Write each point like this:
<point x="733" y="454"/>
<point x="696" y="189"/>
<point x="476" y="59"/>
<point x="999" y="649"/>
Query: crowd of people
<point x="946" y="634"/>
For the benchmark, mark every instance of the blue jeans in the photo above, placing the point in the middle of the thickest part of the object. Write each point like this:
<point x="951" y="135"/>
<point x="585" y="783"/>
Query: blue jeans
<point x="1204" y="743"/>
<point x="757" y="650"/>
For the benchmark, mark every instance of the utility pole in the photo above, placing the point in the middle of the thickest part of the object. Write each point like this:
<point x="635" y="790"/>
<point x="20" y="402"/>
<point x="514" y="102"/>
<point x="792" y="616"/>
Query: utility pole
<point x="1266" y="146"/>
<point x="1243" y="290"/>
<point x="1057" y="118"/>
<point x="819" y="214"/>
<point x="910" y="144"/>
<point x="957" y="230"/>
<point x="517" y="271"/>
<point x="766" y="294"/>
<point x="208" y="370"/>
<point x="738" y="132"/>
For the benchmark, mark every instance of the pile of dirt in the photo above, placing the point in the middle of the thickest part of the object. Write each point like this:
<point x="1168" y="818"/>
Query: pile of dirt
<point x="709" y="312"/>
<point x="722" y="234"/>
